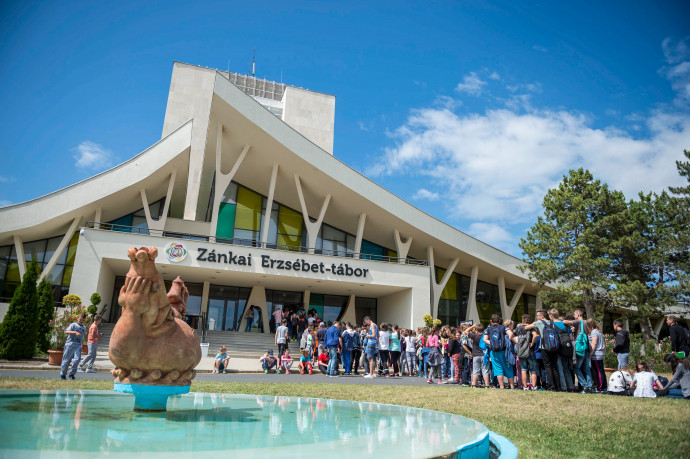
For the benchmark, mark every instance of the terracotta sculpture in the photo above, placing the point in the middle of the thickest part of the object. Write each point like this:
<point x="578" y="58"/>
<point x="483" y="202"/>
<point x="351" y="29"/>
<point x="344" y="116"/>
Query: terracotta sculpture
<point x="151" y="344"/>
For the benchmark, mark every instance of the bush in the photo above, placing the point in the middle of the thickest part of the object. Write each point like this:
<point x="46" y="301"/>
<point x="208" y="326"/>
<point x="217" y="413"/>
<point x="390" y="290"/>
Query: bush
<point x="18" y="330"/>
<point x="45" y="314"/>
<point x="649" y="351"/>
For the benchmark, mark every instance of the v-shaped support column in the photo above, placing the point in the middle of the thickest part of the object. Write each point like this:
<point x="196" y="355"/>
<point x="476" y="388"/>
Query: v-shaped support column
<point x="312" y="227"/>
<point x="402" y="247"/>
<point x="437" y="287"/>
<point x="507" y="309"/>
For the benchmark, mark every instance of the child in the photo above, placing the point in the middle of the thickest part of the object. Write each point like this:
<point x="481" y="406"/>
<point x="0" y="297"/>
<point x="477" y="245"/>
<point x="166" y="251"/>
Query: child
<point x="323" y="363"/>
<point x="384" y="350"/>
<point x="220" y="364"/>
<point x="72" y="353"/>
<point x="434" y="359"/>
<point x="286" y="361"/>
<point x="268" y="361"/>
<point x="305" y="363"/>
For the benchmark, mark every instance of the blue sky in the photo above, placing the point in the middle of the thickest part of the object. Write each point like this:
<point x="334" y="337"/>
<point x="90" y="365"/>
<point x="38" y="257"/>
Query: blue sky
<point x="469" y="110"/>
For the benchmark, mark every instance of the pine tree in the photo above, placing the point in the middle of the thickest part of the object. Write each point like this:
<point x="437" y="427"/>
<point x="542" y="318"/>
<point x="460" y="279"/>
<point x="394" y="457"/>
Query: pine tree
<point x="45" y="314"/>
<point x="18" y="329"/>
<point x="571" y="244"/>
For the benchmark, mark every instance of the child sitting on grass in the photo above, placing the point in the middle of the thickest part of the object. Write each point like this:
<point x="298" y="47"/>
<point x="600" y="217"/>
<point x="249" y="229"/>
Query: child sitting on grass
<point x="305" y="363"/>
<point x="220" y="364"/>
<point x="286" y="361"/>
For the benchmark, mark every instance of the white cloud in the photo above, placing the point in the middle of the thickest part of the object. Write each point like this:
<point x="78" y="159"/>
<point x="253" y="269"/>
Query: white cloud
<point x="677" y="54"/>
<point x="492" y="234"/>
<point x="423" y="193"/>
<point x="471" y="84"/>
<point x="6" y="179"/>
<point x="494" y="76"/>
<point x="540" y="48"/>
<point x="92" y="156"/>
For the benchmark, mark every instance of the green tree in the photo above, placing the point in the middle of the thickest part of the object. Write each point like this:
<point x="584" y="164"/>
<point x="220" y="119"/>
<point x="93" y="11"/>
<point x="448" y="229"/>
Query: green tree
<point x="571" y="244"/>
<point x="18" y="329"/>
<point x="646" y="274"/>
<point x="95" y="301"/>
<point x="681" y="250"/>
<point x="45" y="314"/>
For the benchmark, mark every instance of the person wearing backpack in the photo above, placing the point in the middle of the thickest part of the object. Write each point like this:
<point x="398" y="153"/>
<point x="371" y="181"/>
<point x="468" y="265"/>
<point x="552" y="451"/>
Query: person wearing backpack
<point x="565" y="352"/>
<point x="478" y="367"/>
<point x="548" y="345"/>
<point x="495" y="338"/>
<point x="582" y="367"/>
<point x="525" y="352"/>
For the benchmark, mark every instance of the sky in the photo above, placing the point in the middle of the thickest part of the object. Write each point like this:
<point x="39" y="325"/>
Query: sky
<point x="469" y="110"/>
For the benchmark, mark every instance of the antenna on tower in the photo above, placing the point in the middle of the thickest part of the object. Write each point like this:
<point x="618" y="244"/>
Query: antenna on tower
<point x="254" y="62"/>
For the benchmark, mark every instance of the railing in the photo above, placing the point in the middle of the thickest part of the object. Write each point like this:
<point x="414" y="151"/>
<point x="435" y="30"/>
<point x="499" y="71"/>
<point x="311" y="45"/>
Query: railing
<point x="249" y="243"/>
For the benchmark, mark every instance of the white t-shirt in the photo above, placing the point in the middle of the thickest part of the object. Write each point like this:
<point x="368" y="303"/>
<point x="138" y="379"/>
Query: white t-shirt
<point x="618" y="381"/>
<point x="644" y="381"/>
<point x="384" y="340"/>
<point x="281" y="334"/>
<point x="409" y="344"/>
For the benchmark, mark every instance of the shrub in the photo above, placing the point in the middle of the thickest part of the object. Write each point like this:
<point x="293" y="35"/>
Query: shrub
<point x="18" y="330"/>
<point x="62" y="320"/>
<point x="46" y="308"/>
<point x="428" y="320"/>
<point x="649" y="351"/>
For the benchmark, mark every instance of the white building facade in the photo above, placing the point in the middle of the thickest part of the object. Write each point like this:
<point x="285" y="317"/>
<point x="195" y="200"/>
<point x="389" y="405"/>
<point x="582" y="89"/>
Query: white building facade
<point x="247" y="203"/>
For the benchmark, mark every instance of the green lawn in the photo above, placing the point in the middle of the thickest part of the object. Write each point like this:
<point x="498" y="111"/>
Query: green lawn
<point x="541" y="424"/>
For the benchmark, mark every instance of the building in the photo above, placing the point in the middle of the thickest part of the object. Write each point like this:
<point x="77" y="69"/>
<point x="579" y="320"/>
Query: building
<point x="247" y="203"/>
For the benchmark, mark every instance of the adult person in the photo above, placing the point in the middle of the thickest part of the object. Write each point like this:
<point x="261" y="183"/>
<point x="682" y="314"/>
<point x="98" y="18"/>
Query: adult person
<point x="277" y="318"/>
<point x="679" y="337"/>
<point x="498" y="356"/>
<point x="643" y="382"/>
<point x="549" y="359"/>
<point x="281" y="341"/>
<point x="622" y="345"/>
<point x="598" y="347"/>
<point x="582" y="367"/>
<point x="249" y="315"/>
<point x="72" y="352"/>
<point x="333" y="344"/>
<point x="92" y="344"/>
<point x="681" y="376"/>
<point x="370" y="343"/>
<point x="321" y="338"/>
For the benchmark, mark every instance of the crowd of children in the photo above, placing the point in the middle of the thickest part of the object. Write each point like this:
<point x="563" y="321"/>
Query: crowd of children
<point x="550" y="353"/>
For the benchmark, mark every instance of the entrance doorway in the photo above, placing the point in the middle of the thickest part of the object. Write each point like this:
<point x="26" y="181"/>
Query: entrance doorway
<point x="226" y="306"/>
<point x="286" y="301"/>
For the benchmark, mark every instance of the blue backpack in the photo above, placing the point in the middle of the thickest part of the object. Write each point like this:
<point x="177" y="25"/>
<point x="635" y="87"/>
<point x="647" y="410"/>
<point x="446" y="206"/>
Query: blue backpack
<point x="497" y="337"/>
<point x="482" y="345"/>
<point x="550" y="340"/>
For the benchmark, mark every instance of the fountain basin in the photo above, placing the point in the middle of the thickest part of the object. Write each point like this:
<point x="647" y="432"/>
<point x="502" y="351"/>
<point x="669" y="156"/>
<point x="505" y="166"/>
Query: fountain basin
<point x="94" y="423"/>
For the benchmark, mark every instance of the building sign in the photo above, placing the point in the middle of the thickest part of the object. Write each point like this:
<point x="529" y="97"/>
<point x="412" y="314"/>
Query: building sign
<point x="176" y="252"/>
<point x="267" y="261"/>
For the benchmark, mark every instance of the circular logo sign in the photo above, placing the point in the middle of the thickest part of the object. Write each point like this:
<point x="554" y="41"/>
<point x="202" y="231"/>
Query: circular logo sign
<point x="176" y="252"/>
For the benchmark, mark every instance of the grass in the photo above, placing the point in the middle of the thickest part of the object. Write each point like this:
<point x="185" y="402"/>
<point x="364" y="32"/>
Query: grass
<point x="541" y="424"/>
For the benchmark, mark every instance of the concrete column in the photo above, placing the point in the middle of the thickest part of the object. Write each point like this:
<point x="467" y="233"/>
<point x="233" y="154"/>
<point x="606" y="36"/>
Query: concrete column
<point x="305" y="299"/>
<point x="60" y="248"/>
<point x="222" y="180"/>
<point x="402" y="247"/>
<point x="472" y="312"/>
<point x="97" y="219"/>
<point x="657" y="325"/>
<point x="507" y="309"/>
<point x="349" y="314"/>
<point x="19" y="248"/>
<point x="158" y="225"/>
<point x="312" y="227"/>
<point x="269" y="204"/>
<point x="204" y="297"/>
<point x="437" y="287"/>
<point x="626" y="324"/>
<point x="539" y="303"/>
<point x="360" y="234"/>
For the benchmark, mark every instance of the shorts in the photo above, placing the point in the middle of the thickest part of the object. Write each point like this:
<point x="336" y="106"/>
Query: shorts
<point x="371" y="350"/>
<point x="529" y="363"/>
<point x="499" y="365"/>
<point x="478" y="367"/>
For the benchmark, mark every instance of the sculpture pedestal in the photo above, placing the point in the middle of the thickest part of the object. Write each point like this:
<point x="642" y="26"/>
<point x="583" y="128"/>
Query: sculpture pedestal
<point x="150" y="398"/>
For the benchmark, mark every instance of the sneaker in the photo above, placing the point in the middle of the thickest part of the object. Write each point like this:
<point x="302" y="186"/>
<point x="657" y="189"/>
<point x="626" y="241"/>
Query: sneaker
<point x="387" y="375"/>
<point x="287" y="372"/>
<point x="91" y="370"/>
<point x="72" y="377"/>
<point x="301" y="372"/>
<point x="310" y="372"/>
<point x="368" y="376"/>
<point x="62" y="377"/>
<point x="429" y="381"/>
<point x="225" y="371"/>
<point x="80" y="370"/>
<point x="277" y="372"/>
<point x="440" y="381"/>
<point x="265" y="372"/>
